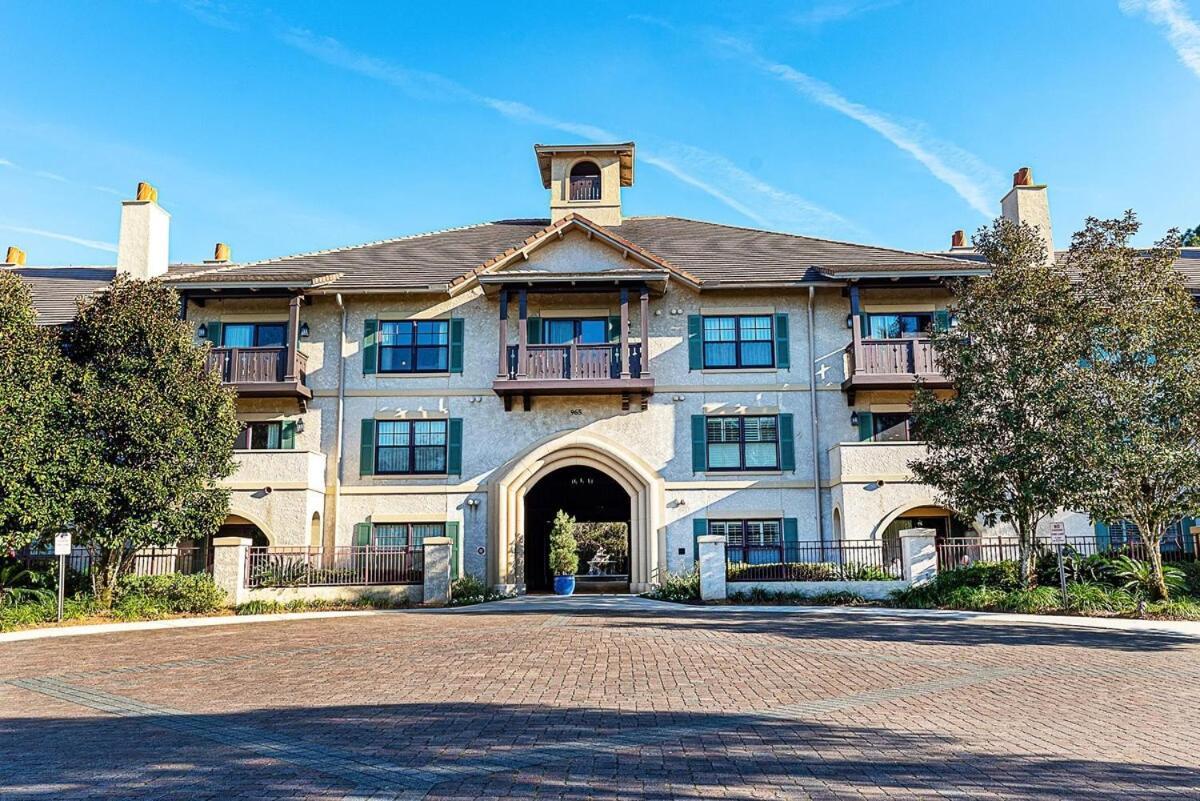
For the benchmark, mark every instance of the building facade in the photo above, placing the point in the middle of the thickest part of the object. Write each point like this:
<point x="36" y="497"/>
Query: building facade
<point x="681" y="377"/>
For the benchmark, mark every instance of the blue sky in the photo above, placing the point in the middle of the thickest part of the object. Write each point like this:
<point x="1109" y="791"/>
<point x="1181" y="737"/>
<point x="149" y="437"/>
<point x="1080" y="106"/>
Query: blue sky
<point x="286" y="127"/>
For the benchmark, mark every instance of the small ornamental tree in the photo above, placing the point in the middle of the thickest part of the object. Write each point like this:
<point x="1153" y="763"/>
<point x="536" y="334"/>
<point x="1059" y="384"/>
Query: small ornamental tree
<point x="1143" y="379"/>
<point x="156" y="430"/>
<point x="564" y="550"/>
<point x="34" y="446"/>
<point x="1005" y="445"/>
<point x="1191" y="238"/>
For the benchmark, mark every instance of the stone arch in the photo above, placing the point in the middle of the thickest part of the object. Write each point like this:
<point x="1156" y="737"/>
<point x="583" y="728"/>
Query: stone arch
<point x="928" y="501"/>
<point x="647" y="532"/>
<point x="250" y="517"/>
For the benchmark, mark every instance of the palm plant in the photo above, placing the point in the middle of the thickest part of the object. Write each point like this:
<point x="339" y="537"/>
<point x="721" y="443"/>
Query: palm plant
<point x="18" y="585"/>
<point x="1139" y="577"/>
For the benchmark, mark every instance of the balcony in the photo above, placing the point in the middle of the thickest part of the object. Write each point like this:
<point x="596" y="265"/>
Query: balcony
<point x="262" y="372"/>
<point x="573" y="370"/>
<point x="874" y="461"/>
<point x="892" y="364"/>
<point x="279" y="470"/>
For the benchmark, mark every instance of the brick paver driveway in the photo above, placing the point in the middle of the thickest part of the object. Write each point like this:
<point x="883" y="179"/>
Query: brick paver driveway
<point x="620" y="700"/>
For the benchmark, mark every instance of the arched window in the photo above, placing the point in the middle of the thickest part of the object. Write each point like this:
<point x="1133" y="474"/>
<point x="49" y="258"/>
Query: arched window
<point x="585" y="181"/>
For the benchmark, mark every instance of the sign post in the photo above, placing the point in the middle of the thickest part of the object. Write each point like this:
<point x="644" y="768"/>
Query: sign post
<point x="62" y="549"/>
<point x="1058" y="538"/>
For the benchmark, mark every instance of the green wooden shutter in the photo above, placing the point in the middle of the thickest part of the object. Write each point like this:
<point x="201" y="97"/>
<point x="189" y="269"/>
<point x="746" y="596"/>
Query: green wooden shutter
<point x="783" y="356"/>
<point x="614" y="328"/>
<point x="1189" y="541"/>
<point x="287" y="435"/>
<point x="787" y="443"/>
<point x="941" y="320"/>
<point x="791" y="536"/>
<point x="695" y="342"/>
<point x="366" y="448"/>
<point x="699" y="445"/>
<point x="864" y="324"/>
<point x="456" y="344"/>
<point x="533" y="331"/>
<point x="866" y="427"/>
<point x="452" y="532"/>
<point x="212" y="333"/>
<point x="1103" y="538"/>
<point x="699" y="529"/>
<point x="362" y="534"/>
<point x="454" y="446"/>
<point x="370" y="352"/>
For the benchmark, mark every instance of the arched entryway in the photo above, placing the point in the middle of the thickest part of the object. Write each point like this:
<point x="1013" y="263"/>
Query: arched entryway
<point x="948" y="528"/>
<point x="641" y="483"/>
<point x="601" y="509"/>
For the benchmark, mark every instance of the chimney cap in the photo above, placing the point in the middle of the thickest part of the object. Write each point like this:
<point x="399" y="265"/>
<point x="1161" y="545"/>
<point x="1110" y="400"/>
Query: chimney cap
<point x="221" y="252"/>
<point x="1023" y="177"/>
<point x="958" y="239"/>
<point x="146" y="191"/>
<point x="15" y="256"/>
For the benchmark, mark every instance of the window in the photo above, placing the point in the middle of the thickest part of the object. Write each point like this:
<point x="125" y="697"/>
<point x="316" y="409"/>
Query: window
<point x="739" y="342"/>
<point x="405" y="535"/>
<point x="564" y="331"/>
<point x="891" y="427"/>
<point x="740" y="533"/>
<point x="1124" y="534"/>
<point x="742" y="443"/>
<point x="412" y="447"/>
<point x="585" y="181"/>
<point x="264" y="436"/>
<point x="414" y="346"/>
<point x="254" y="335"/>
<point x="899" y="326"/>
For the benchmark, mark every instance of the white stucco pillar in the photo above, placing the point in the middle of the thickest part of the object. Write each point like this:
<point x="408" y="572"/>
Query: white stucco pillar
<point x="437" y="571"/>
<point x="712" y="567"/>
<point x="918" y="548"/>
<point x="229" y="567"/>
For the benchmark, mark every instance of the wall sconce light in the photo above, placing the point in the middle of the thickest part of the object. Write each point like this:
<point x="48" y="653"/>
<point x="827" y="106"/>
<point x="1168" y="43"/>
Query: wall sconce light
<point x="854" y="419"/>
<point x="849" y="320"/>
<point x="202" y="331"/>
<point x="473" y="503"/>
<point x="299" y="425"/>
<point x="304" y="330"/>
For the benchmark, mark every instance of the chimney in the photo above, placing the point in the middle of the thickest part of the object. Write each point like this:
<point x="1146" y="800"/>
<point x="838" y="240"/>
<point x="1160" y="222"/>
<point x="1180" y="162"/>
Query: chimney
<point x="15" y="257"/>
<point x="145" y="230"/>
<point x="221" y="254"/>
<point x="958" y="241"/>
<point x="1028" y="202"/>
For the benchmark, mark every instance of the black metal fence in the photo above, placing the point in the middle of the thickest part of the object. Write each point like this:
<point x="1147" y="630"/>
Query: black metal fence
<point x="146" y="562"/>
<point x="333" y="567"/>
<point x="839" y="560"/>
<point x="958" y="552"/>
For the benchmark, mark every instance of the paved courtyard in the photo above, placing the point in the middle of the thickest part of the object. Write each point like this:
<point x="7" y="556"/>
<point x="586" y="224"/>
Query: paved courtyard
<point x="617" y="699"/>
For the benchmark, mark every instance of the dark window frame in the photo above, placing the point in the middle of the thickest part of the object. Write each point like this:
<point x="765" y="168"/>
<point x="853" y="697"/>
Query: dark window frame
<point x="741" y="465"/>
<point x="577" y="329"/>
<point x="922" y="334"/>
<point x="877" y="419"/>
<point x="246" y="435"/>
<point x="411" y="448"/>
<point x="408" y="546"/>
<point x="737" y="342"/>
<point x="258" y="329"/>
<point x="413" y="347"/>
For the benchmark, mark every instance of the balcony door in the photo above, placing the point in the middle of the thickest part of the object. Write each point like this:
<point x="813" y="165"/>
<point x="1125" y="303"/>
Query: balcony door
<point x="254" y="335"/>
<point x="579" y="331"/>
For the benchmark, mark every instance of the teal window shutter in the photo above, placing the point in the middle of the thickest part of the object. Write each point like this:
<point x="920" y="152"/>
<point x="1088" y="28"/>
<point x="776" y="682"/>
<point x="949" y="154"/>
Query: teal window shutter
<point x="533" y="331"/>
<point x="362" y="534"/>
<point x="452" y="531"/>
<point x="941" y="320"/>
<point x="287" y="435"/>
<point x="370" y="352"/>
<point x="783" y="356"/>
<point x="366" y="448"/>
<point x="791" y="536"/>
<point x="787" y="443"/>
<point x="1189" y="541"/>
<point x="212" y="333"/>
<point x="699" y="529"/>
<point x="695" y="342"/>
<point x="456" y="344"/>
<point x="866" y="427"/>
<point x="1103" y="539"/>
<point x="614" y="328"/>
<point x="864" y="324"/>
<point x="699" y="445"/>
<point x="454" y="446"/>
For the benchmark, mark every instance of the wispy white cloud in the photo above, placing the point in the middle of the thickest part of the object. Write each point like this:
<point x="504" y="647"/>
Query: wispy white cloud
<point x="94" y="244"/>
<point x="1183" y="31"/>
<point x="839" y="11"/>
<point x="215" y="14"/>
<point x="53" y="176"/>
<point x="963" y="172"/>
<point x="722" y="180"/>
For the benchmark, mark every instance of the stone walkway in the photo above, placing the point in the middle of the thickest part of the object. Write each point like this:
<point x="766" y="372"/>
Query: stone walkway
<point x="602" y="698"/>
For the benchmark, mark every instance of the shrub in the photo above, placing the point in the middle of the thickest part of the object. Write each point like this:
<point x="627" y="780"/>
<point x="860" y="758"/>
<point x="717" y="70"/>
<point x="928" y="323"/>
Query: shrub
<point x="1093" y="598"/>
<point x="1137" y="577"/>
<point x="1191" y="577"/>
<point x="1036" y="601"/>
<point x="468" y="590"/>
<point x="173" y="593"/>
<point x="564" y="550"/>
<point x="1177" y="609"/>
<point x="678" y="587"/>
<point x="260" y="607"/>
<point x="19" y="585"/>
<point x="806" y="571"/>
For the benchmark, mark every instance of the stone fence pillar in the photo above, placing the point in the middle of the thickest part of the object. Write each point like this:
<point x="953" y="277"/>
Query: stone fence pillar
<point x="712" y="567"/>
<point x="437" y="571"/>
<point x="229" y="567"/>
<point x="918" y="548"/>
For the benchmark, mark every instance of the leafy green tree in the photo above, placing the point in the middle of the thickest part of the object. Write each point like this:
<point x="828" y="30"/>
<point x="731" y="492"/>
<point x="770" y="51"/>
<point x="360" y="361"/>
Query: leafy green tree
<point x="1006" y="444"/>
<point x="564" y="550"/>
<point x="34" y="448"/>
<point x="1191" y="238"/>
<point x="1143" y="380"/>
<point x="156" y="429"/>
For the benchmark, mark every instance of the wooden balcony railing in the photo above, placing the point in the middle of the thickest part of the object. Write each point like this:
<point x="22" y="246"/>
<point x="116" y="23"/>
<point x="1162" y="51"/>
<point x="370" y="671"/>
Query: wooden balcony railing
<point x="585" y="188"/>
<point x="260" y="371"/>
<point x="892" y="364"/>
<point x="573" y="362"/>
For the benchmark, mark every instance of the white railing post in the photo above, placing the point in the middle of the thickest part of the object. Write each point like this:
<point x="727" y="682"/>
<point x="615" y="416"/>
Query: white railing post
<point x="437" y="571"/>
<point x="918" y="550"/>
<point x="712" y="567"/>
<point x="229" y="567"/>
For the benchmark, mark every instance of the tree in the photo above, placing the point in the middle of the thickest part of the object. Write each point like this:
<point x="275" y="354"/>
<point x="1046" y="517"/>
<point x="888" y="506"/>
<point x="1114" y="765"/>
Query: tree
<point x="1005" y="445"/>
<point x="1191" y="238"/>
<point x="156" y="429"/>
<point x="35" y="454"/>
<point x="564" y="550"/>
<point x="1143" y="378"/>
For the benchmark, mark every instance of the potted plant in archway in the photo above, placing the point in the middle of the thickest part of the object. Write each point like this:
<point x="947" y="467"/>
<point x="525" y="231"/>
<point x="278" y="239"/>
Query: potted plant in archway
<point x="564" y="553"/>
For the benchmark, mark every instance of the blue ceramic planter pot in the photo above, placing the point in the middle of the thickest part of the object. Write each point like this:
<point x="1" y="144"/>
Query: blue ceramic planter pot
<point x="564" y="585"/>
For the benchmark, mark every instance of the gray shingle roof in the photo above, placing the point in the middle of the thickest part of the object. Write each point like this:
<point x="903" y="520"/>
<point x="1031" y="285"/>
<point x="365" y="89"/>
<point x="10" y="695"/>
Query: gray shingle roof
<point x="55" y="289"/>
